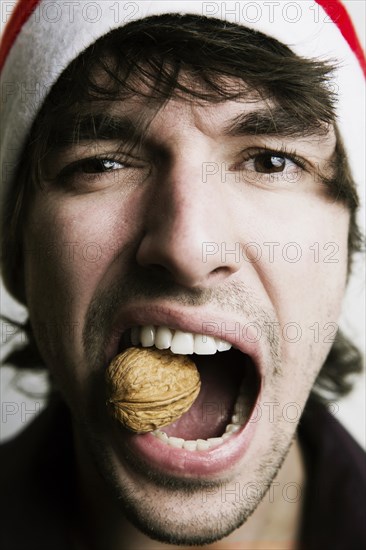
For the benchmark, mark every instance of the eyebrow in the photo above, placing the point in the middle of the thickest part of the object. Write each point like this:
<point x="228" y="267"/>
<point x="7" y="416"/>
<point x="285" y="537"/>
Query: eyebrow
<point x="278" y="122"/>
<point x="95" y="127"/>
<point x="102" y="127"/>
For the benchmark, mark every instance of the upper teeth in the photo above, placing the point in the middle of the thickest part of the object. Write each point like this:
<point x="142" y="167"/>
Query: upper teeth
<point x="184" y="343"/>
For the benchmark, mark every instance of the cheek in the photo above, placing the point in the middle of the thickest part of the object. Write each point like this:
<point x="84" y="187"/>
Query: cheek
<point x="310" y="267"/>
<point x="71" y="247"/>
<point x="305" y="280"/>
<point x="72" y="240"/>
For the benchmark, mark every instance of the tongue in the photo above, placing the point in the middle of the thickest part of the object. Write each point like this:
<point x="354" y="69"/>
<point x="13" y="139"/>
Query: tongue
<point x="213" y="408"/>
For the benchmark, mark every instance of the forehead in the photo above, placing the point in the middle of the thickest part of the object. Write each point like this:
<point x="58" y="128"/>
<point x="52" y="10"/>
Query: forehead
<point x="185" y="112"/>
<point x="99" y="79"/>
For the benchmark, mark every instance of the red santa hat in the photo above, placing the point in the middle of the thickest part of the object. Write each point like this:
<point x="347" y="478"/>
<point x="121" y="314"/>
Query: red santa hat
<point x="43" y="36"/>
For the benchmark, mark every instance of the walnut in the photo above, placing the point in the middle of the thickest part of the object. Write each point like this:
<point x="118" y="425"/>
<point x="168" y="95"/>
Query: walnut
<point x="150" y="388"/>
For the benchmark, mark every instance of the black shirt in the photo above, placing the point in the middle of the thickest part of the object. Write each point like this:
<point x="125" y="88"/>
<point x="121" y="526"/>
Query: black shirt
<point x="334" y="514"/>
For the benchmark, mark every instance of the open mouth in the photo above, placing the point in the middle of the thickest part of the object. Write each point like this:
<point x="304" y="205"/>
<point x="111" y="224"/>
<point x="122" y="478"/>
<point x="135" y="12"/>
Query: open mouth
<point x="230" y="385"/>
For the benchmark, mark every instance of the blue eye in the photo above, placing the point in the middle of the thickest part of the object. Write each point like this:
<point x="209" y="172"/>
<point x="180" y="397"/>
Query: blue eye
<point x="96" y="166"/>
<point x="101" y="171"/>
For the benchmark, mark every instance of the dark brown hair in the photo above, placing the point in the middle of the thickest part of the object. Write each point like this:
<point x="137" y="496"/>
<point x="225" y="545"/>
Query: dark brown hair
<point x="152" y="54"/>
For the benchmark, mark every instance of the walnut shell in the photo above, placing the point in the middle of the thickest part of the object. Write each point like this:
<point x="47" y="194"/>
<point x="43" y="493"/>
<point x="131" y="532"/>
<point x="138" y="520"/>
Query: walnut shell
<point x="150" y="388"/>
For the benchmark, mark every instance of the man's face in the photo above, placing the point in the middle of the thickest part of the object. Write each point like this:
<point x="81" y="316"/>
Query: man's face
<point x="206" y="228"/>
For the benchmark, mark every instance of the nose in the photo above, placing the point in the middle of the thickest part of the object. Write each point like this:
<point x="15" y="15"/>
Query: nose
<point x="187" y="222"/>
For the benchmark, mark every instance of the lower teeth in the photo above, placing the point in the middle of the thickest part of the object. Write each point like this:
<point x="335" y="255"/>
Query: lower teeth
<point x="241" y="413"/>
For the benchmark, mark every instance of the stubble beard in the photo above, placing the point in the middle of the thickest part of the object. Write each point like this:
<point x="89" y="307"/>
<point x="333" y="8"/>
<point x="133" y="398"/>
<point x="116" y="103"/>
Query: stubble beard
<point x="177" y="510"/>
<point x="168" y="509"/>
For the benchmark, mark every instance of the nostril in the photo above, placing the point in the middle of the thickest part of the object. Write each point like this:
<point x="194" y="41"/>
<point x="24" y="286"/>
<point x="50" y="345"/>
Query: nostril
<point x="160" y="271"/>
<point x="220" y="271"/>
<point x="168" y="275"/>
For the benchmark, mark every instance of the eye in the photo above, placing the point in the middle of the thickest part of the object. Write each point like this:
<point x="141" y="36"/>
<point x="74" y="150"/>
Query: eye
<point x="98" y="172"/>
<point x="95" y="166"/>
<point x="270" y="162"/>
<point x="261" y="166"/>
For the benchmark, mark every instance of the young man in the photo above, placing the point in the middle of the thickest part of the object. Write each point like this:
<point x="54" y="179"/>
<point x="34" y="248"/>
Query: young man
<point x="171" y="180"/>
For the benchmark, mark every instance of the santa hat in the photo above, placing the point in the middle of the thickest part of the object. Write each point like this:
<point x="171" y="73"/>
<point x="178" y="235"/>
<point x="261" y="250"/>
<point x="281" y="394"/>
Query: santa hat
<point x="43" y="36"/>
